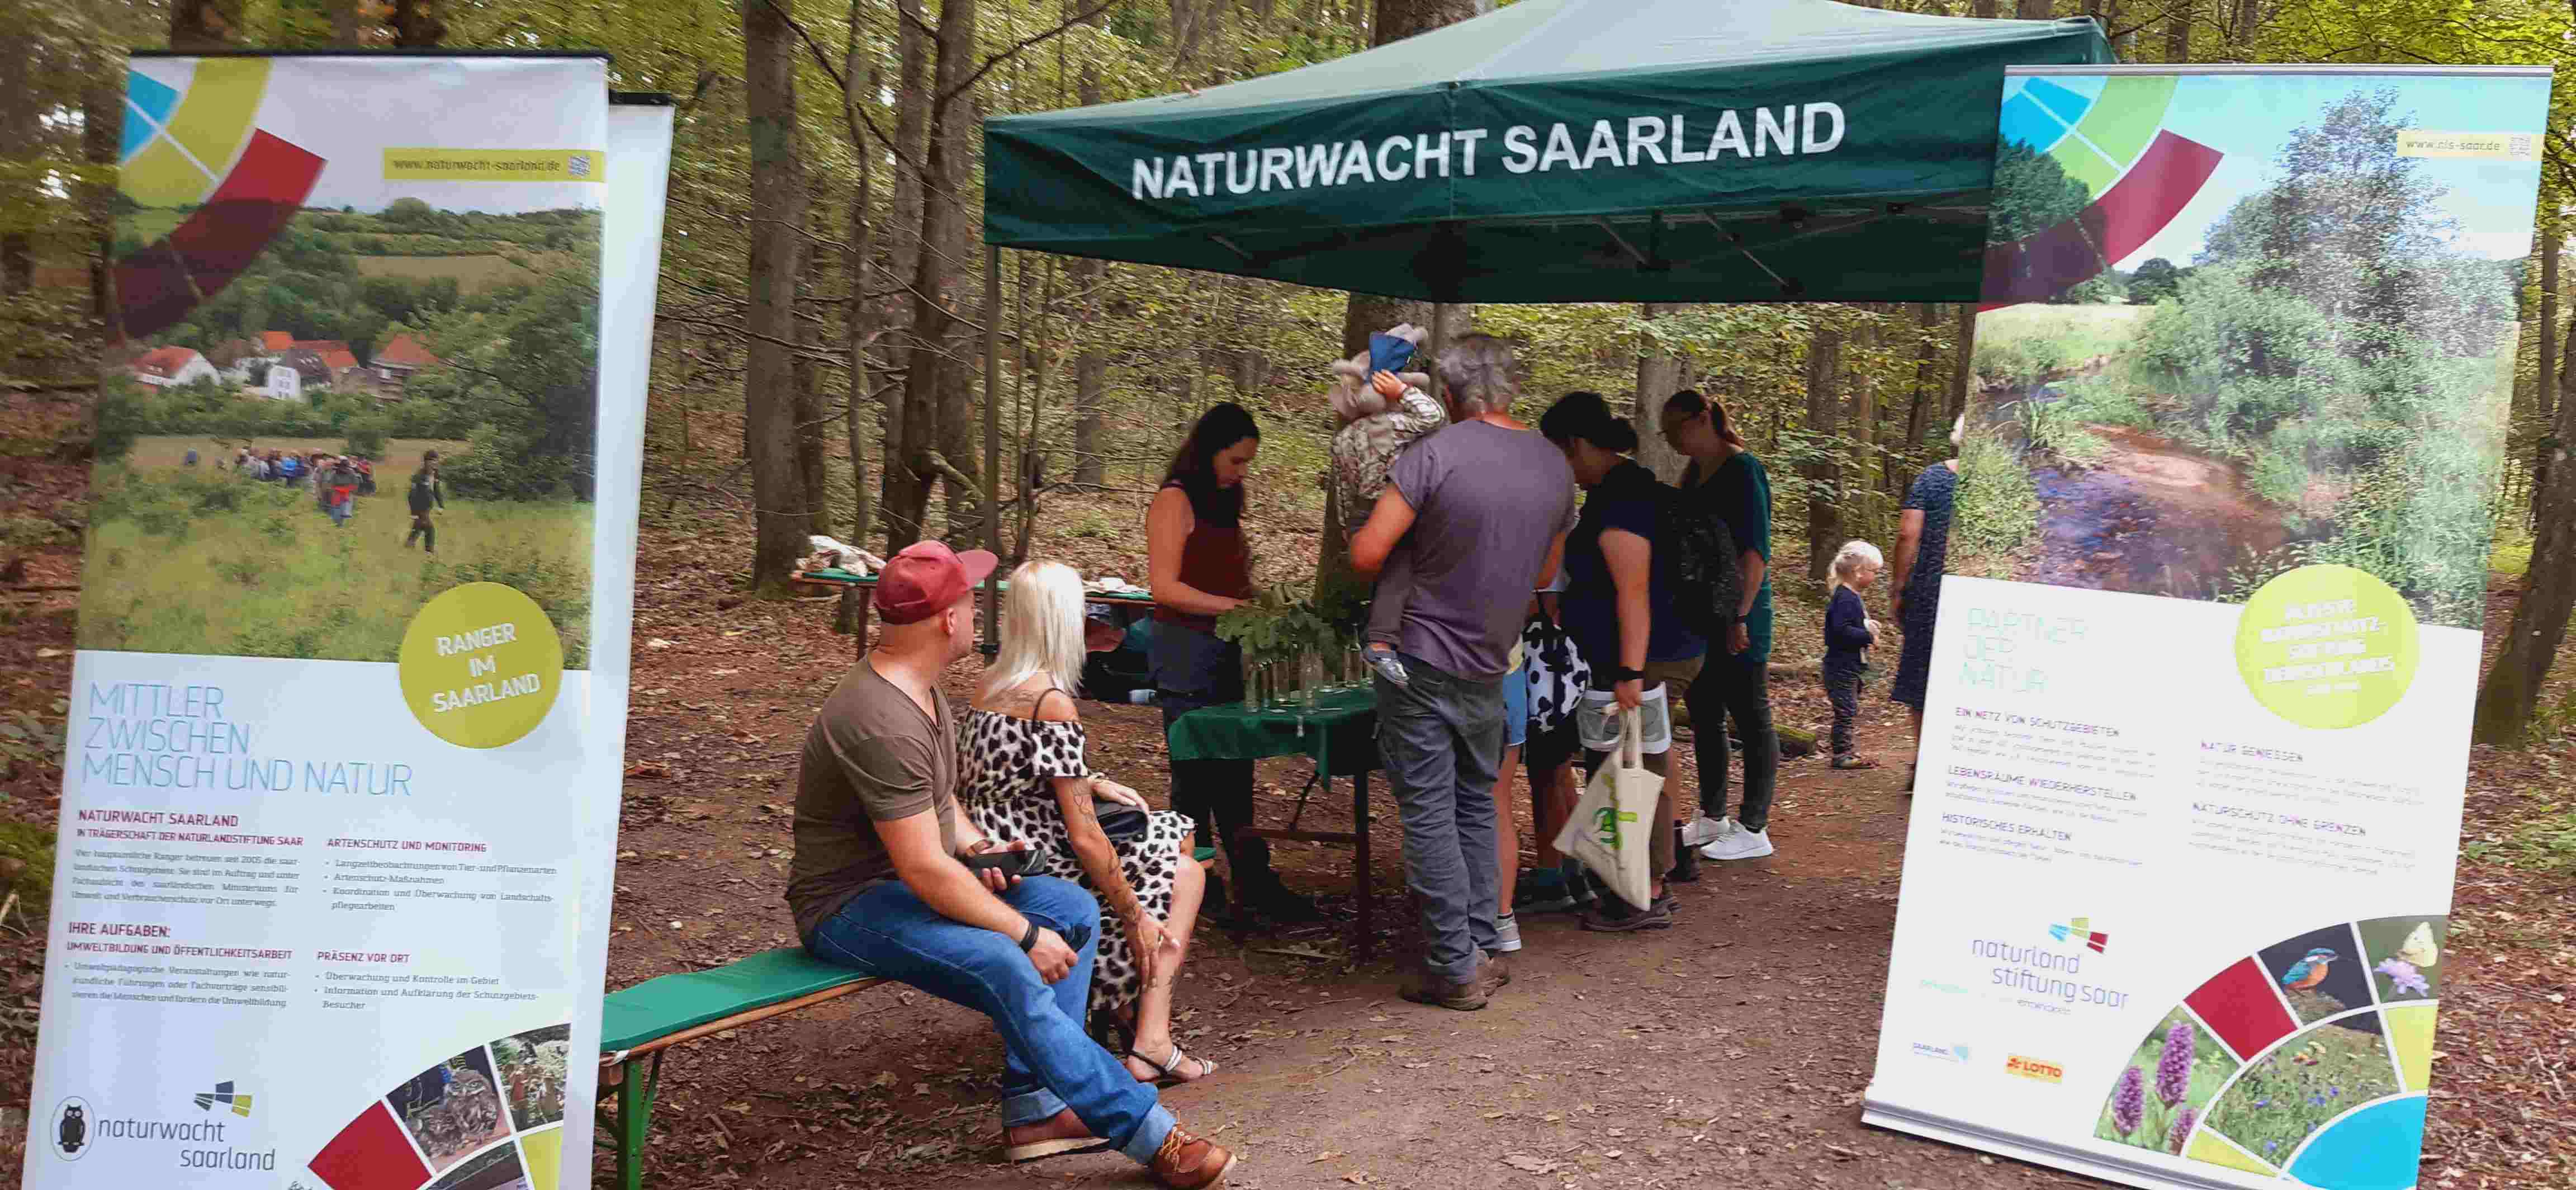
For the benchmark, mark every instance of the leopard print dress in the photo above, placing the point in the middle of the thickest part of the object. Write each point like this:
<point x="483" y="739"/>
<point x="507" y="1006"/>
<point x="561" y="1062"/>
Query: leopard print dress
<point x="1009" y="764"/>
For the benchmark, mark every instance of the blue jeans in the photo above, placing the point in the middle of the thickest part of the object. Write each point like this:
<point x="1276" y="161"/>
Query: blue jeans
<point x="1441" y="739"/>
<point x="1048" y="1062"/>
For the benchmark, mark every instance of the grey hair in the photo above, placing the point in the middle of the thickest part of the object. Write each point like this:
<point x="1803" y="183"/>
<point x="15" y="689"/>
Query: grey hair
<point x="1476" y="375"/>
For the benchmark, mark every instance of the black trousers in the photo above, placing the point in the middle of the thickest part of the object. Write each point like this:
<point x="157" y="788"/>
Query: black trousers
<point x="1843" y="690"/>
<point x="1730" y="687"/>
<point x="423" y="532"/>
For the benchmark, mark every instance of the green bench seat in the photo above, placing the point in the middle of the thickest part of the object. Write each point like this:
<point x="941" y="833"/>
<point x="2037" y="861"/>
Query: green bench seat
<point x="657" y="1014"/>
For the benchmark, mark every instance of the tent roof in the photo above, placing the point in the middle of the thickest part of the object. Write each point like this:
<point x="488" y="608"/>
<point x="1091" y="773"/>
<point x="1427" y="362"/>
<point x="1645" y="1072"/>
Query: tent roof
<point x="1555" y="39"/>
<point x="1560" y="150"/>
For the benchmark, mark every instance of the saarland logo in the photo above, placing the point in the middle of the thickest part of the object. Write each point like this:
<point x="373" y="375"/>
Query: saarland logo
<point x="71" y="1128"/>
<point x="1953" y="1052"/>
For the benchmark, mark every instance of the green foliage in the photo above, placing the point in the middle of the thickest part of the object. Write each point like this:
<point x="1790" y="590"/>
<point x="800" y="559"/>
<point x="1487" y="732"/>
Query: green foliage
<point x="2155" y="281"/>
<point x="30" y="843"/>
<point x="30" y="742"/>
<point x="286" y="582"/>
<point x="2032" y="193"/>
<point x="2545" y="843"/>
<point x="2053" y="428"/>
<point x="1995" y="516"/>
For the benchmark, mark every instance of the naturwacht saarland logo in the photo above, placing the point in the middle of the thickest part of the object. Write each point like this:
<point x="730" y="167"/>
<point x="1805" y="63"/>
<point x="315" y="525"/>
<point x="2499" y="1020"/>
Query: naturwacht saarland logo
<point x="224" y="1096"/>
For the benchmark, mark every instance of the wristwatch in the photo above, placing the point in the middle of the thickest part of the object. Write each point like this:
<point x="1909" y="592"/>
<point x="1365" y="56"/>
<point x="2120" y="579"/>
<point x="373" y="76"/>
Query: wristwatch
<point x="1624" y="674"/>
<point x="1029" y="941"/>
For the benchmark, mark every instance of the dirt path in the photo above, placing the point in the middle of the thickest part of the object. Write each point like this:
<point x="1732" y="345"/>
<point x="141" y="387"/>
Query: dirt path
<point x="1735" y="1045"/>
<point x="2153" y="517"/>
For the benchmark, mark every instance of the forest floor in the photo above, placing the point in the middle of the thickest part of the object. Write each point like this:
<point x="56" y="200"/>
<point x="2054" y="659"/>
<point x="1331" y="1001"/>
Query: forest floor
<point x="1736" y="1045"/>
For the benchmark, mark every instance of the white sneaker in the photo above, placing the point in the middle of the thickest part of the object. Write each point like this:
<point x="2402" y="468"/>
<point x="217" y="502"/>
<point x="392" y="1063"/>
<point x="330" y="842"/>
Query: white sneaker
<point x="1737" y="843"/>
<point x="1508" y="929"/>
<point x="1704" y="829"/>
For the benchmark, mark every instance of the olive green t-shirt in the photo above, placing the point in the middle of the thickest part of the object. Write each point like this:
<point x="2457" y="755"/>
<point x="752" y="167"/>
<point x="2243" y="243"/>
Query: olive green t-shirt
<point x="871" y="756"/>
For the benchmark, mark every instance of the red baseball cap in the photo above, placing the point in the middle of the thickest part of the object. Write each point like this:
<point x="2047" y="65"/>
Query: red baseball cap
<point x="928" y="578"/>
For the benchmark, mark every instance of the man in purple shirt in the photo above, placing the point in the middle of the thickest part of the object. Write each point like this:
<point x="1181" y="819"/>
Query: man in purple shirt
<point x="1475" y="517"/>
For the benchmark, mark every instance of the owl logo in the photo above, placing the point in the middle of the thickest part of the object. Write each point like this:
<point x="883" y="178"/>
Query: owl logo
<point x="71" y="1129"/>
<point x="2419" y="947"/>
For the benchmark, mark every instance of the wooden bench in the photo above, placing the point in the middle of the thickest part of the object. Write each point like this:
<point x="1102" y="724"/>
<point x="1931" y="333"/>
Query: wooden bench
<point x="657" y="1014"/>
<point x="650" y="1018"/>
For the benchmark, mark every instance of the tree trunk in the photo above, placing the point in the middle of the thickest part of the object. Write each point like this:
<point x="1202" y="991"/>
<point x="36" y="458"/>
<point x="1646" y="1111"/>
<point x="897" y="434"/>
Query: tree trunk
<point x="1392" y="21"/>
<point x="905" y="499"/>
<point x="1400" y="19"/>
<point x="21" y="125"/>
<point x="1926" y="317"/>
<point x="2178" y="32"/>
<point x="1982" y="8"/>
<point x="348" y="24"/>
<point x="417" y="25"/>
<point x="1860" y="493"/>
<point x="102" y="127"/>
<point x="859" y="317"/>
<point x="1659" y="376"/>
<point x="2029" y="10"/>
<point x="2511" y="693"/>
<point x="2545" y="396"/>
<point x="779" y="512"/>
<point x="205" y="24"/>
<point x="1963" y="369"/>
<point x="813" y="452"/>
<point x="2249" y="17"/>
<point x="1090" y="368"/>
<point x="1824" y="476"/>
<point x="928" y="385"/>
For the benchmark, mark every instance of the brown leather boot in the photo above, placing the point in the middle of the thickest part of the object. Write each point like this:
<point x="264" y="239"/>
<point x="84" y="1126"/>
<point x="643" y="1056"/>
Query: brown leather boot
<point x="1426" y="988"/>
<point x="1494" y="973"/>
<point x="1187" y="1162"/>
<point x="1058" y="1135"/>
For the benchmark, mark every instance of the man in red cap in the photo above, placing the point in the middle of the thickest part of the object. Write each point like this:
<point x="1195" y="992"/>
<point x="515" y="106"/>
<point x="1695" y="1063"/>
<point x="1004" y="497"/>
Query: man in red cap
<point x="880" y="884"/>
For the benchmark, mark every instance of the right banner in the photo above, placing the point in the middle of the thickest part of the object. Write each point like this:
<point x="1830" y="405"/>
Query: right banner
<point x="2202" y="669"/>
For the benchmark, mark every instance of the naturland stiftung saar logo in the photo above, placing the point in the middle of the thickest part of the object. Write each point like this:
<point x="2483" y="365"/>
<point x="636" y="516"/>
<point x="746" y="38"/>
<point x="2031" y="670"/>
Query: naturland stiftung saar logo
<point x="2080" y="929"/>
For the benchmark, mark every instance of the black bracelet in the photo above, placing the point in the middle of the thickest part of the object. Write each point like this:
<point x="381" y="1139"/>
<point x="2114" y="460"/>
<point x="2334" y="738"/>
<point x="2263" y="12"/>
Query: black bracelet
<point x="1029" y="941"/>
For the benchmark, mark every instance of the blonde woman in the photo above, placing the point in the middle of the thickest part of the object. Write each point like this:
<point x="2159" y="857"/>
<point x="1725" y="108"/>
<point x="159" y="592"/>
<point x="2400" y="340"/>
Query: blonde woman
<point x="1025" y="779"/>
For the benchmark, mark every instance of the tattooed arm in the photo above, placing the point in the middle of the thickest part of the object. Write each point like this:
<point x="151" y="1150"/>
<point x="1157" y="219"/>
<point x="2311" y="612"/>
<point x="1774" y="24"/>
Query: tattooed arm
<point x="1091" y="846"/>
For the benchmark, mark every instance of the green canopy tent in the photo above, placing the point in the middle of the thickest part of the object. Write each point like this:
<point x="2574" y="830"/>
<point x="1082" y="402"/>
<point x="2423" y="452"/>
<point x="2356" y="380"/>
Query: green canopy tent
<point x="1560" y="151"/>
<point x="1552" y="151"/>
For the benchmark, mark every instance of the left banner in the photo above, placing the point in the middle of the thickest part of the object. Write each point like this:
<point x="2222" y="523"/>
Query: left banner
<point x="344" y="731"/>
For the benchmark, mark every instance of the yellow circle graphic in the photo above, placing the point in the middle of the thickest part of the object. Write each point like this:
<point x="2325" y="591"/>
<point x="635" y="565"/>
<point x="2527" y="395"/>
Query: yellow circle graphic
<point x="2327" y="646"/>
<point x="480" y="665"/>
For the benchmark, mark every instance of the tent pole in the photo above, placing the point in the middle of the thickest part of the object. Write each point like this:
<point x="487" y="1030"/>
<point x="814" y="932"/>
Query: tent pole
<point x="992" y="445"/>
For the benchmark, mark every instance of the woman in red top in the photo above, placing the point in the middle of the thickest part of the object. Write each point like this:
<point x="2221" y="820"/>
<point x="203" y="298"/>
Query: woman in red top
<point x="1201" y="569"/>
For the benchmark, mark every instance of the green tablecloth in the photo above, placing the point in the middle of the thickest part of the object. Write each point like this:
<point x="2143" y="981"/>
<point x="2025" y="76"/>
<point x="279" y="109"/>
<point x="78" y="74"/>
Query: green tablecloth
<point x="838" y="575"/>
<point x="1340" y="734"/>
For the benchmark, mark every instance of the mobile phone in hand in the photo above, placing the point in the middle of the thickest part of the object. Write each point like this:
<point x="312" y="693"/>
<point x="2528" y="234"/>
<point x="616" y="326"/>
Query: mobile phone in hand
<point x="1014" y="861"/>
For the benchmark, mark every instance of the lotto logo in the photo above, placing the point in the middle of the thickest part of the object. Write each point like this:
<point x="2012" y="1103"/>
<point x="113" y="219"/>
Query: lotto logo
<point x="2033" y="1068"/>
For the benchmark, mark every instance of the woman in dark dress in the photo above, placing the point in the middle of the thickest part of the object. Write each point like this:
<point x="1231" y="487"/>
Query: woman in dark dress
<point x="1201" y="569"/>
<point x="1922" y="555"/>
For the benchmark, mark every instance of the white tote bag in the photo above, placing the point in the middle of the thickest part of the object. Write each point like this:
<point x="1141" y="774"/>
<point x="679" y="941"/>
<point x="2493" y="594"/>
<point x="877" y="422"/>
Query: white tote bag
<point x="1612" y="827"/>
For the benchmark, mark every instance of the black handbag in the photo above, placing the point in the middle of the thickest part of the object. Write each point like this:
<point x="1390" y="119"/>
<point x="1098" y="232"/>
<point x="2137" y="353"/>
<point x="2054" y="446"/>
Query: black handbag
<point x="1125" y="824"/>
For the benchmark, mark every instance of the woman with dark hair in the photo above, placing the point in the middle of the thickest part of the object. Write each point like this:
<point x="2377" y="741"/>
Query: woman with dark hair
<point x="1922" y="556"/>
<point x="1200" y="570"/>
<point x="1619" y="608"/>
<point x="1725" y="481"/>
